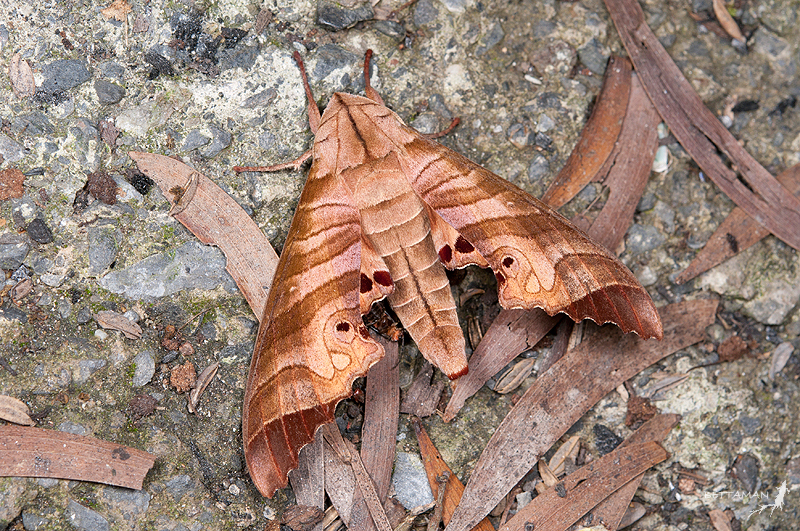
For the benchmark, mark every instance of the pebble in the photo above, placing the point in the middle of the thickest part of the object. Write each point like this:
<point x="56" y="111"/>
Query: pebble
<point x="86" y="368"/>
<point x="220" y="140"/>
<point x="192" y="265"/>
<point x="538" y="169"/>
<point x="63" y="74"/>
<point x="390" y="28"/>
<point x="145" y="368"/>
<point x="85" y="519"/>
<point x="39" y="231"/>
<point x="131" y="503"/>
<point x="331" y="57"/>
<point x="592" y="57"/>
<point x="491" y="39"/>
<point x="108" y="93"/>
<point x="750" y="425"/>
<point x="72" y="427"/>
<point x="11" y="150"/>
<point x="194" y="139"/>
<point x="178" y="486"/>
<point x="13" y="250"/>
<point x="333" y="16"/>
<point x="410" y="481"/>
<point x="425" y="12"/>
<point x="643" y="238"/>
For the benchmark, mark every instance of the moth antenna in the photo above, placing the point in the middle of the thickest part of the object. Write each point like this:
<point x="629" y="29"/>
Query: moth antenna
<point x="313" y="110"/>
<point x="446" y="131"/>
<point x="368" y="90"/>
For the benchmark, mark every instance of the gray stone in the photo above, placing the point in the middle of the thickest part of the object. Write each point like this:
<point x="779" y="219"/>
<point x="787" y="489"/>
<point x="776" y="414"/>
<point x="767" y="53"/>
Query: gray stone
<point x="178" y="486"/>
<point x="33" y="522"/>
<point x="24" y="207"/>
<point x="192" y="265"/>
<point x="455" y="6"/>
<point x="539" y="168"/>
<point x="334" y="16"/>
<point x="591" y="56"/>
<point x="643" y="238"/>
<point x="220" y="140"/>
<point x="425" y="12"/>
<point x="390" y="28"/>
<point x="33" y="124"/>
<point x="84" y="315"/>
<point x="145" y="368"/>
<point x="410" y="481"/>
<point x="11" y="150"/>
<point x="426" y="123"/>
<point x="331" y="57"/>
<point x="194" y="139"/>
<point x="72" y="427"/>
<point x="86" y="368"/>
<point x="64" y="74"/>
<point x="260" y="99"/>
<point x="102" y="249"/>
<point x="491" y="39"/>
<point x="750" y="425"/>
<point x="702" y="5"/>
<point x="64" y="308"/>
<point x="85" y="519"/>
<point x="131" y="503"/>
<point x="12" y="499"/>
<point x="13" y="250"/>
<point x="108" y="93"/>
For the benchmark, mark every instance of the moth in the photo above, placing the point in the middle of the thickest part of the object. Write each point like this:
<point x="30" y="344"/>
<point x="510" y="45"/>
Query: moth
<point x="384" y="212"/>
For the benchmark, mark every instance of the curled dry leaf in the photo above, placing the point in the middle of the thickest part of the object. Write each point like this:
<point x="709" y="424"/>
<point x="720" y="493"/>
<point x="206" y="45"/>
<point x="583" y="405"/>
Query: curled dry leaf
<point x="15" y="411"/>
<point x="202" y="382"/>
<point x="633" y="513"/>
<point x="726" y="21"/>
<point x="780" y="357"/>
<point x="567" y="450"/>
<point x="549" y="479"/>
<point x="21" y="289"/>
<point x="514" y="376"/>
<point x="467" y="295"/>
<point x="21" y="76"/>
<point x="116" y="321"/>
<point x="474" y="332"/>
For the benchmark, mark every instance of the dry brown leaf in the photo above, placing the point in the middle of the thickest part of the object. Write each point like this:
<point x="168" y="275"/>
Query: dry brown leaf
<point x="719" y="520"/>
<point x="665" y="384"/>
<point x="780" y="357"/>
<point x="116" y="321"/>
<point x="21" y="76"/>
<point x="717" y="152"/>
<point x="33" y="452"/>
<point x="118" y="11"/>
<point x="567" y="450"/>
<point x="571" y="384"/>
<point x="11" y="180"/>
<point x="15" y="411"/>
<point x="559" y="507"/>
<point x="726" y="21"/>
<point x="200" y="385"/>
<point x="514" y="376"/>
<point x="251" y="259"/>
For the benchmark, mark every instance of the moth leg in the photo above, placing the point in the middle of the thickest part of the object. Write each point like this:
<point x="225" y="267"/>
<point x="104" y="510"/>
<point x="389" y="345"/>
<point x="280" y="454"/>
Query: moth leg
<point x="446" y="131"/>
<point x="313" y="110"/>
<point x="368" y="90"/>
<point x="291" y="165"/>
